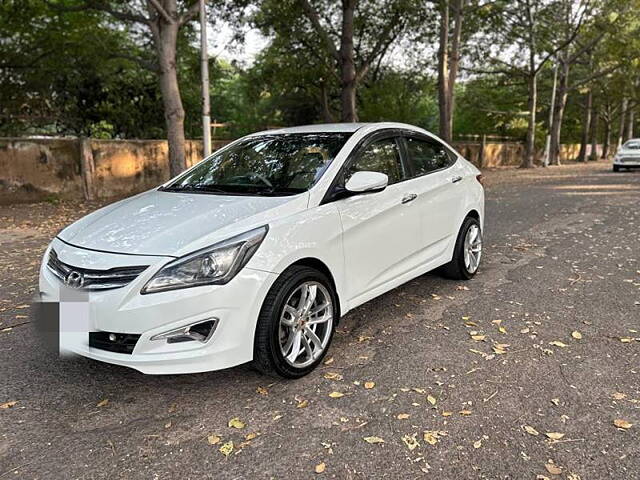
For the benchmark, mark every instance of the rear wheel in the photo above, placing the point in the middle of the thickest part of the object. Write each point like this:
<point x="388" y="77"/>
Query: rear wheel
<point x="467" y="252"/>
<point x="296" y="323"/>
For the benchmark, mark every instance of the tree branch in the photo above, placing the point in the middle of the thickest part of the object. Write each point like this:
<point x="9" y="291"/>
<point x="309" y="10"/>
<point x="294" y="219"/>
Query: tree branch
<point x="313" y="17"/>
<point x="163" y="13"/>
<point x="191" y="12"/>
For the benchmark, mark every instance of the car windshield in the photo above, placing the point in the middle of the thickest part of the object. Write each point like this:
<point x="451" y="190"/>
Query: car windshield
<point x="283" y="164"/>
<point x="632" y="145"/>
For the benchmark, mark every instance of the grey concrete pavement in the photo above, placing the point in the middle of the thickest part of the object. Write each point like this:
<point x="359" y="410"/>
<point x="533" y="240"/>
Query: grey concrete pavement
<point x="545" y="339"/>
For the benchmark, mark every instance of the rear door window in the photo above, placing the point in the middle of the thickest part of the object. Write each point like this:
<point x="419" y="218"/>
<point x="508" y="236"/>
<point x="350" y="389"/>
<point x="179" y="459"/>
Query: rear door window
<point x="425" y="156"/>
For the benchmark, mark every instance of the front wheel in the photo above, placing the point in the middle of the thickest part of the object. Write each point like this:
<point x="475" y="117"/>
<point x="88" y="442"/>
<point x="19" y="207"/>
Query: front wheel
<point x="466" y="253"/>
<point x="296" y="323"/>
<point x="616" y="168"/>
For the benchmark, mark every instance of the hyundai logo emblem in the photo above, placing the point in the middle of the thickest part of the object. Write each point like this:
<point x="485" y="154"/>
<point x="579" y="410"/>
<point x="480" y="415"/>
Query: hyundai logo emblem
<point x="74" y="279"/>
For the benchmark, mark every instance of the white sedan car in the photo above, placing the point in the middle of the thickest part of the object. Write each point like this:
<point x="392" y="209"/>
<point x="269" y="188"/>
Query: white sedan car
<point x="628" y="155"/>
<point x="255" y="253"/>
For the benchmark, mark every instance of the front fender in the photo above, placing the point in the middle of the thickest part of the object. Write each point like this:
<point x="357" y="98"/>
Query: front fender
<point x="313" y="233"/>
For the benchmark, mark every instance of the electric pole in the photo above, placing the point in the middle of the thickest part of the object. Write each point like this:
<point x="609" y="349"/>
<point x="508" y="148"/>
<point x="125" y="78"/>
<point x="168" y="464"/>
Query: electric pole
<point x="206" y="119"/>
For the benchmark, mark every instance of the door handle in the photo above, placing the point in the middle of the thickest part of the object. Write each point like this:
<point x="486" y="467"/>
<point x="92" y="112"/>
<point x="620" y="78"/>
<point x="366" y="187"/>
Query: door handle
<point x="409" y="198"/>
<point x="456" y="179"/>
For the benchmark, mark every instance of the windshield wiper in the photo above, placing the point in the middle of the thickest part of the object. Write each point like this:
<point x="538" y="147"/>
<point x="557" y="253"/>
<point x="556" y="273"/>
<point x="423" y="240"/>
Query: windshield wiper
<point x="277" y="192"/>
<point x="193" y="188"/>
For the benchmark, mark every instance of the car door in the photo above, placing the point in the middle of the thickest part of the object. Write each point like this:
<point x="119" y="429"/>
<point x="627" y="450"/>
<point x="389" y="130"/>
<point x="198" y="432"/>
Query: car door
<point x="437" y="179"/>
<point x="380" y="232"/>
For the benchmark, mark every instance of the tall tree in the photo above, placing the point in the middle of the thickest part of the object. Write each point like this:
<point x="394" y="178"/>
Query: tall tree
<point x="162" y="20"/>
<point x="355" y="38"/>
<point x="451" y="11"/>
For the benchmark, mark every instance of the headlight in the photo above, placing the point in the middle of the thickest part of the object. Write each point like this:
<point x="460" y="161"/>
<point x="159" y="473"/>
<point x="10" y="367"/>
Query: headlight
<point x="216" y="264"/>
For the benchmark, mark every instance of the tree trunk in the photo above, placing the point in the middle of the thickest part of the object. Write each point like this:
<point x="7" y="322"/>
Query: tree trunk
<point x="165" y="43"/>
<point x="586" y="126"/>
<point x="594" y="137"/>
<point x="454" y="59"/>
<point x="623" y="115"/>
<point x="444" y="95"/>
<point x="347" y="63"/>
<point x="327" y="116"/>
<point x="558" y="114"/>
<point x="527" y="161"/>
<point x="630" y="124"/>
<point x="607" y="136"/>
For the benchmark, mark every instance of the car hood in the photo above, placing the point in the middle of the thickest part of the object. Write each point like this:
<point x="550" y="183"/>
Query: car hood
<point x="174" y="224"/>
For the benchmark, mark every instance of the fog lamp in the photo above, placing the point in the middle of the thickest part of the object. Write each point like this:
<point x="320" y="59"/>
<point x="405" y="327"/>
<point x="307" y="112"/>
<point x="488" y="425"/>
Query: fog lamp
<point x="194" y="332"/>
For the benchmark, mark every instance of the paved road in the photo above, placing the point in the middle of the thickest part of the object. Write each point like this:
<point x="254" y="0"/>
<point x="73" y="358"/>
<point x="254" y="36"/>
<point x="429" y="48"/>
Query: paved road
<point x="562" y="256"/>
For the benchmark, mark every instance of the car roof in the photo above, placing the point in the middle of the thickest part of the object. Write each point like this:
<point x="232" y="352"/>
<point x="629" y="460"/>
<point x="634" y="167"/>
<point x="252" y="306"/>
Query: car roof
<point x="336" y="128"/>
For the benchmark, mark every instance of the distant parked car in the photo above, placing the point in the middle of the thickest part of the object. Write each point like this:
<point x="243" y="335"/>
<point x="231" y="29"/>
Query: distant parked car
<point x="256" y="252"/>
<point x="628" y="155"/>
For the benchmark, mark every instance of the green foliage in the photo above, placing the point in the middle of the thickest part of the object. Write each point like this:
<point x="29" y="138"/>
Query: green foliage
<point x="84" y="73"/>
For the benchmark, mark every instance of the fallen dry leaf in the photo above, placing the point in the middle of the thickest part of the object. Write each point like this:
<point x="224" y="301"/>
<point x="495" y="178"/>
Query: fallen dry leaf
<point x="554" y="435"/>
<point x="213" y="439"/>
<point x="577" y="335"/>
<point x="432" y="436"/>
<point x="235" y="422"/>
<point x="333" y="376"/>
<point x="336" y="394"/>
<point x="620" y="423"/>
<point x="303" y="404"/>
<point x="477" y="444"/>
<point x="103" y="403"/>
<point x="410" y="441"/>
<point x="402" y="416"/>
<point x="431" y="399"/>
<point x="250" y="436"/>
<point x="262" y="391"/>
<point x="553" y="469"/>
<point x="465" y="412"/>
<point x="619" y="396"/>
<point x="369" y="385"/>
<point x="320" y="468"/>
<point x="558" y="343"/>
<point x="8" y="404"/>
<point x="328" y="361"/>
<point x="373" y="439"/>
<point x="226" y="448"/>
<point x="447" y="414"/>
<point x="530" y="430"/>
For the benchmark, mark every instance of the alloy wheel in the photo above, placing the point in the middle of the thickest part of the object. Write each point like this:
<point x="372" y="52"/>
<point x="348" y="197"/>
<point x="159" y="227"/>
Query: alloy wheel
<point x="305" y="325"/>
<point x="472" y="248"/>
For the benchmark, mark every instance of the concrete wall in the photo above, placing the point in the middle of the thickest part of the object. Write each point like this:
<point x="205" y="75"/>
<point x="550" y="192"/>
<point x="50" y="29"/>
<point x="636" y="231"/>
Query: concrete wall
<point x="33" y="169"/>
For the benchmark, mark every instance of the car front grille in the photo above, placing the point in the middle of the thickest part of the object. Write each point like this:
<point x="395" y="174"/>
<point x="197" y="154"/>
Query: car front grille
<point x="88" y="279"/>
<point x="630" y="159"/>
<point x="113" y="342"/>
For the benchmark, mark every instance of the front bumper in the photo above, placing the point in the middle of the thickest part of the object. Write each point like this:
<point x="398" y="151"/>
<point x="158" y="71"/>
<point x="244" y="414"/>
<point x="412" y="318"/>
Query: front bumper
<point x="235" y="305"/>
<point x="629" y="162"/>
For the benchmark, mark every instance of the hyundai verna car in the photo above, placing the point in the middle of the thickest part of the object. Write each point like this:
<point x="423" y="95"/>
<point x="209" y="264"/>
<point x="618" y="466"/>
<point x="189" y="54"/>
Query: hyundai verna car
<point x="256" y="252"/>
<point x="628" y="155"/>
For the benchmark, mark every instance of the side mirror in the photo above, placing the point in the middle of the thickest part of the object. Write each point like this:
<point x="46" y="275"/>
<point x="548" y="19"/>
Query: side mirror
<point x="361" y="182"/>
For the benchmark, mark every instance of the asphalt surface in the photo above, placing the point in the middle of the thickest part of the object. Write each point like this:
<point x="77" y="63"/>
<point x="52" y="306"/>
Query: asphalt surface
<point x="545" y="339"/>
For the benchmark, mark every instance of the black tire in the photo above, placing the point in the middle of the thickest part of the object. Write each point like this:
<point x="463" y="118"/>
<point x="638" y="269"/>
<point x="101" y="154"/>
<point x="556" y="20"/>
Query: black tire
<point x="267" y="356"/>
<point x="616" y="168"/>
<point x="456" y="268"/>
